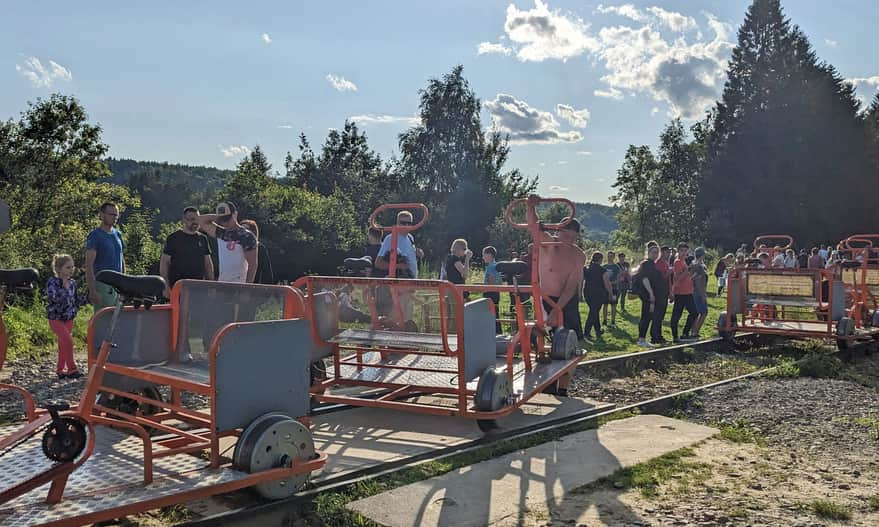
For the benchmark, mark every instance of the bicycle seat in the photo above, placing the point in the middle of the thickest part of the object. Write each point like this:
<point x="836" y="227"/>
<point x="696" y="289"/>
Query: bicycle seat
<point x="512" y="268"/>
<point x="130" y="286"/>
<point x="18" y="277"/>
<point x="358" y="264"/>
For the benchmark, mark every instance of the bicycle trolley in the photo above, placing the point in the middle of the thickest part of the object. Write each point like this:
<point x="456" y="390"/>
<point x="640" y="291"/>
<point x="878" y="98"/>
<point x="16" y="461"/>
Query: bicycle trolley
<point x="134" y="442"/>
<point x="835" y="303"/>
<point x="456" y="367"/>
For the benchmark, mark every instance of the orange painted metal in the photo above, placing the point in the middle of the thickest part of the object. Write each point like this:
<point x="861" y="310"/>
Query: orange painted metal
<point x="449" y="296"/>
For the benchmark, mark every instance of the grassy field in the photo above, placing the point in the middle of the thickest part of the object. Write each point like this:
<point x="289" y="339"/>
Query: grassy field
<point x="623" y="337"/>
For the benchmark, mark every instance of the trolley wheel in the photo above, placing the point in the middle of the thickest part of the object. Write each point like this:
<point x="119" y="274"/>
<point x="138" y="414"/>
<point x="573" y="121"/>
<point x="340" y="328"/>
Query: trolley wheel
<point x="844" y="327"/>
<point x="492" y="393"/>
<point x="65" y="439"/>
<point x="564" y="344"/>
<point x="131" y="406"/>
<point x="274" y="441"/>
<point x="721" y="324"/>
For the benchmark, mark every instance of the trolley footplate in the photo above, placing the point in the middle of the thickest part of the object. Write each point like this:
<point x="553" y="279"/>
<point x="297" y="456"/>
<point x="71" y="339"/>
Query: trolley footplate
<point x="109" y="484"/>
<point x="523" y="381"/>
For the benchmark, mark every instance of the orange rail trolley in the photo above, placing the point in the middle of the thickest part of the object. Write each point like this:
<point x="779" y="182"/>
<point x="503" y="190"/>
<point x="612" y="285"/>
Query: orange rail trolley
<point x="456" y="367"/>
<point x="801" y="303"/>
<point x="138" y="438"/>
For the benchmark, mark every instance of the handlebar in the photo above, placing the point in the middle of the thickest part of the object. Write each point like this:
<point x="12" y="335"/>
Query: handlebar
<point x="508" y="214"/>
<point x="774" y="237"/>
<point x="866" y="239"/>
<point x="373" y="218"/>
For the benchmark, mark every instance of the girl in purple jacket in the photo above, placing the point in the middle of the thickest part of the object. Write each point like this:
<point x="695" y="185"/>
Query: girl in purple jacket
<point x="62" y="305"/>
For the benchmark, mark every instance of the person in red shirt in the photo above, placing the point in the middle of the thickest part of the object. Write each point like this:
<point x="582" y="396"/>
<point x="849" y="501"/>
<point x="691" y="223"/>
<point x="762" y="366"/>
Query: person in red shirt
<point x="661" y="294"/>
<point x="682" y="289"/>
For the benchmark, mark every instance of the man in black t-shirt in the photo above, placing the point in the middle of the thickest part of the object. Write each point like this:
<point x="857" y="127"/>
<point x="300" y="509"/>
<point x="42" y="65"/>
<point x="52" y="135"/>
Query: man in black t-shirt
<point x="187" y="253"/>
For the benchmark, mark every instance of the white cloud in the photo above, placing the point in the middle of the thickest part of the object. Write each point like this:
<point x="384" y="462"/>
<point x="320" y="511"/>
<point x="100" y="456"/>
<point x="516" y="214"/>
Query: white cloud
<point x="654" y="111"/>
<point x="575" y="118"/>
<point x="561" y="162"/>
<point x="341" y="83"/>
<point x="543" y="34"/>
<point x="41" y="76"/>
<point x="556" y="188"/>
<point x="584" y="153"/>
<point x="672" y="20"/>
<point x="866" y="87"/>
<point x="625" y="10"/>
<point x="285" y="126"/>
<point x="688" y="76"/>
<point x="487" y="48"/>
<point x="541" y="164"/>
<point x="612" y="93"/>
<point x="831" y="43"/>
<point x="235" y="151"/>
<point x="370" y="118"/>
<point x="266" y="38"/>
<point x="525" y="124"/>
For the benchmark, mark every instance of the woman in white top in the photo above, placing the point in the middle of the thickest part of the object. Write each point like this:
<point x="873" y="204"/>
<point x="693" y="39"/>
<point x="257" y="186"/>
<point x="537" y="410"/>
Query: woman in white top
<point x="790" y="259"/>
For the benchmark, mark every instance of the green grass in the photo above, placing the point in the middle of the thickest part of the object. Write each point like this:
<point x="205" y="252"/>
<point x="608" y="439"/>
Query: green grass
<point x="29" y="333"/>
<point x="623" y="338"/>
<point x="829" y="510"/>
<point x="741" y="431"/>
<point x="871" y="423"/>
<point x="647" y="477"/>
<point x="873" y="502"/>
<point x="785" y="368"/>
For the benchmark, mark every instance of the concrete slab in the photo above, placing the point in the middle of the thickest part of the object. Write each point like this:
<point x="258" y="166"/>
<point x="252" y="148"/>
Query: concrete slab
<point x="362" y="437"/>
<point x="500" y="489"/>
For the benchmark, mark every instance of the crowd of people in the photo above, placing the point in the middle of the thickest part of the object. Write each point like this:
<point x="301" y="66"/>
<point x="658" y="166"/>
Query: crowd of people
<point x="219" y="246"/>
<point x="187" y="254"/>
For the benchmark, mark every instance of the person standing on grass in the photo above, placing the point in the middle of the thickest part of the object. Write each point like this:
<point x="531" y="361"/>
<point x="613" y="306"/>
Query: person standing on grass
<point x="648" y="283"/>
<point x="682" y="289"/>
<point x="597" y="291"/>
<point x="457" y="264"/>
<point x="186" y="254"/>
<point x="492" y="277"/>
<point x="721" y="272"/>
<point x="613" y="274"/>
<point x="265" y="274"/>
<point x="103" y="251"/>
<point x="699" y="274"/>
<point x="62" y="304"/>
<point x="624" y="280"/>
<point x="236" y="245"/>
<point x="662" y="295"/>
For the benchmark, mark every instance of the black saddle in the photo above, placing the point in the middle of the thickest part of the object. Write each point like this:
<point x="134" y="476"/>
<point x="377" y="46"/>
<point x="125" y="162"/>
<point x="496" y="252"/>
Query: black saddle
<point x="358" y="264"/>
<point x="130" y="286"/>
<point x="18" y="277"/>
<point x="512" y="268"/>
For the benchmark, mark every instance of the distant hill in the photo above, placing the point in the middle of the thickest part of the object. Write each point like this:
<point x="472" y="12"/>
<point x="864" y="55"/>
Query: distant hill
<point x="166" y="187"/>
<point x="599" y="220"/>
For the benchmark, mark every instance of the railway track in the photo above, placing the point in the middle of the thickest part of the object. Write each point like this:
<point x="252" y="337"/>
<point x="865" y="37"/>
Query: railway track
<point x="274" y="512"/>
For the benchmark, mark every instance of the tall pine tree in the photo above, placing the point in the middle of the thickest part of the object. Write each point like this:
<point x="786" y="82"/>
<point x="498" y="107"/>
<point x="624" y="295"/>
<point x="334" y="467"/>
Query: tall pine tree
<point x="786" y="153"/>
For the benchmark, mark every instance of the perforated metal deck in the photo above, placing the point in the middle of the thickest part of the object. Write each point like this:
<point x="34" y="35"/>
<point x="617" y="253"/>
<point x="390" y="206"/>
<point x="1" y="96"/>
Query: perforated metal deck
<point x="398" y="339"/>
<point x="523" y="382"/>
<point x="112" y="478"/>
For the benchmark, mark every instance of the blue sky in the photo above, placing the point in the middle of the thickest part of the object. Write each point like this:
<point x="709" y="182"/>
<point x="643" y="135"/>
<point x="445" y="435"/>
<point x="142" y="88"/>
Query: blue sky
<point x="574" y="83"/>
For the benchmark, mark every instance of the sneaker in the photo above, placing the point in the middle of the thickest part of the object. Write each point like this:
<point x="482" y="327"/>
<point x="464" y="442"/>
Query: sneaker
<point x="644" y="344"/>
<point x="74" y="375"/>
<point x="689" y="338"/>
<point x="62" y="376"/>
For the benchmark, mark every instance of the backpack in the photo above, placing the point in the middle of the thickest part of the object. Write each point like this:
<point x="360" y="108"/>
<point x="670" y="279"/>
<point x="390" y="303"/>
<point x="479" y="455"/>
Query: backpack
<point x="637" y="287"/>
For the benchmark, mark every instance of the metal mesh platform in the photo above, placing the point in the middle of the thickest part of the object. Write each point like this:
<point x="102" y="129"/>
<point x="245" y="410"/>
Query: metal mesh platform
<point x="523" y="382"/>
<point x="196" y="371"/>
<point x="395" y="339"/>
<point x="110" y="479"/>
<point x="816" y="326"/>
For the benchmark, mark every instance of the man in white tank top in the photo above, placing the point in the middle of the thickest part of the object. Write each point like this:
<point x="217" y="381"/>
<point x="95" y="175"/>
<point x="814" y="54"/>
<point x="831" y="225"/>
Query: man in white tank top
<point x="236" y="246"/>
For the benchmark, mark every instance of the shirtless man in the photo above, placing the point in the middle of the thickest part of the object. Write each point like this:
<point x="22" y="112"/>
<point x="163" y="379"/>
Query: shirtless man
<point x="560" y="272"/>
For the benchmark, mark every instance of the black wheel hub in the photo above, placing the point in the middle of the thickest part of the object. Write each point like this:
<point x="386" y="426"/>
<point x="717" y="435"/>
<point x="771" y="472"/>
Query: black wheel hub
<point x="64" y="440"/>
